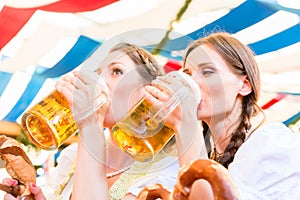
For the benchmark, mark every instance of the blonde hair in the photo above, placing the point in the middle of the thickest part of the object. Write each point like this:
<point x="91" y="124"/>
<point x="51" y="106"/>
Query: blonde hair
<point x="148" y="65"/>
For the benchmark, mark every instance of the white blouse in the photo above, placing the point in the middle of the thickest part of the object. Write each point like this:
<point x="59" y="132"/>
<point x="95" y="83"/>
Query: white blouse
<point x="141" y="174"/>
<point x="267" y="165"/>
<point x="164" y="171"/>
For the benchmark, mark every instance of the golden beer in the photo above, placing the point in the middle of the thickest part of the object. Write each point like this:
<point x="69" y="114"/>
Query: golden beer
<point x="139" y="138"/>
<point x="49" y="123"/>
<point x="142" y="133"/>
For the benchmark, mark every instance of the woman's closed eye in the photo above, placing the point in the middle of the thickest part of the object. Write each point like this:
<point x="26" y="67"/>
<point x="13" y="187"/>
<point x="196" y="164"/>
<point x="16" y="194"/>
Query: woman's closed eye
<point x="207" y="71"/>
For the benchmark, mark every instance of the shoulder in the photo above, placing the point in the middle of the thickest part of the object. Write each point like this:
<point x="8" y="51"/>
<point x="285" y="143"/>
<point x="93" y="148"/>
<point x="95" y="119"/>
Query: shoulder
<point x="274" y="127"/>
<point x="270" y="135"/>
<point x="268" y="161"/>
<point x="270" y="140"/>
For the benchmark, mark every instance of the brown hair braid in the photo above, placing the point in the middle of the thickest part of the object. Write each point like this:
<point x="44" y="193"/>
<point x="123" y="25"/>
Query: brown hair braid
<point x="148" y="66"/>
<point x="241" y="58"/>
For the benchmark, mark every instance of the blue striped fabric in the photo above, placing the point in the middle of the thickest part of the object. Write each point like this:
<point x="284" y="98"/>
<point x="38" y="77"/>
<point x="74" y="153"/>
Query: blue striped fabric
<point x="252" y="12"/>
<point x="274" y="4"/>
<point x="231" y="22"/>
<point x="4" y="80"/>
<point x="28" y="95"/>
<point x="291" y="93"/>
<point x="292" y="120"/>
<point x="82" y="49"/>
<point x="280" y="40"/>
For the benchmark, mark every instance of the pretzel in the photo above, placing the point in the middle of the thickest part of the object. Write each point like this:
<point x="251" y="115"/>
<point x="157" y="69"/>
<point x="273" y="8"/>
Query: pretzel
<point x="218" y="177"/>
<point x="18" y="166"/>
<point x="156" y="191"/>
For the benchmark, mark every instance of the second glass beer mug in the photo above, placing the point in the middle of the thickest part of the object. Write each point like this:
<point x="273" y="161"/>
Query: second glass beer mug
<point x="50" y="122"/>
<point x="142" y="133"/>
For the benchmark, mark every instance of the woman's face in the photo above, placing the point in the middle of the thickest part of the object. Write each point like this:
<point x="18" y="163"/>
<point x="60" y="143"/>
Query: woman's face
<point x="219" y="85"/>
<point x="125" y="84"/>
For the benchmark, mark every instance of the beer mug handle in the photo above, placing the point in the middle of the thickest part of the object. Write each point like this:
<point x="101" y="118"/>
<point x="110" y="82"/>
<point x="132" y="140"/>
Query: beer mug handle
<point x="164" y="111"/>
<point x="189" y="85"/>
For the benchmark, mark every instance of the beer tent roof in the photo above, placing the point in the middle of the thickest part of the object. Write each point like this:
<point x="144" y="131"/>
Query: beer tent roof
<point x="52" y="38"/>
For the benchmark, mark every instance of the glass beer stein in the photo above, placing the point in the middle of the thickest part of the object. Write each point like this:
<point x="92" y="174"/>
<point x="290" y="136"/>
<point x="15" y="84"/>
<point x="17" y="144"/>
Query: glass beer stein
<point x="50" y="122"/>
<point x="142" y="133"/>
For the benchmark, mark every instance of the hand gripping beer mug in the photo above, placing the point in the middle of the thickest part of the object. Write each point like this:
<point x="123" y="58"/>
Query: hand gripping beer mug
<point x="50" y="122"/>
<point x="142" y="133"/>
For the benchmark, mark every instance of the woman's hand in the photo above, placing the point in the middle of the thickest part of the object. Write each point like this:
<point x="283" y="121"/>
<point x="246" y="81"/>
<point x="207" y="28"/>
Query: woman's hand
<point x="35" y="190"/>
<point x="82" y="89"/>
<point x="163" y="89"/>
<point x="189" y="137"/>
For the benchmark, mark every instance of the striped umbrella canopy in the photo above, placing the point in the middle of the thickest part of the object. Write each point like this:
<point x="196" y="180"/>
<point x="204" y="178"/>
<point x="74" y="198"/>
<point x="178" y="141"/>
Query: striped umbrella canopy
<point x="42" y="40"/>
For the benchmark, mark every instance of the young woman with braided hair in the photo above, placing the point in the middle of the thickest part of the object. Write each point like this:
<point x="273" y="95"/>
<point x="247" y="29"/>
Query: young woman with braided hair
<point x="262" y="159"/>
<point x="241" y="65"/>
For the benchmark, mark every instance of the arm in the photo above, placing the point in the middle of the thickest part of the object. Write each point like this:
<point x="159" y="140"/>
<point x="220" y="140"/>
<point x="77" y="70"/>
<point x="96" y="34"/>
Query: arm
<point x="189" y="137"/>
<point x="90" y="173"/>
<point x="191" y="146"/>
<point x="190" y="141"/>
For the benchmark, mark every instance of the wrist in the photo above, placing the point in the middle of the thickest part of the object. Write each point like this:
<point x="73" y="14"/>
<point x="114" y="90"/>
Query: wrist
<point x="186" y="124"/>
<point x="90" y="121"/>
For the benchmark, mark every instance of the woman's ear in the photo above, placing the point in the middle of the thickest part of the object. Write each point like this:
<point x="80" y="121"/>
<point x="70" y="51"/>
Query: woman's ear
<point x="246" y="87"/>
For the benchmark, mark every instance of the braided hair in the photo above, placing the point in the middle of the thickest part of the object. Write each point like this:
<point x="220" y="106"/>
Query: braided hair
<point x="241" y="58"/>
<point x="148" y="65"/>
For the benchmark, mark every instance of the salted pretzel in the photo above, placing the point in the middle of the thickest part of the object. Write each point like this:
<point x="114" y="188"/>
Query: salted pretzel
<point x="18" y="166"/>
<point x="214" y="173"/>
<point x="152" y="192"/>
